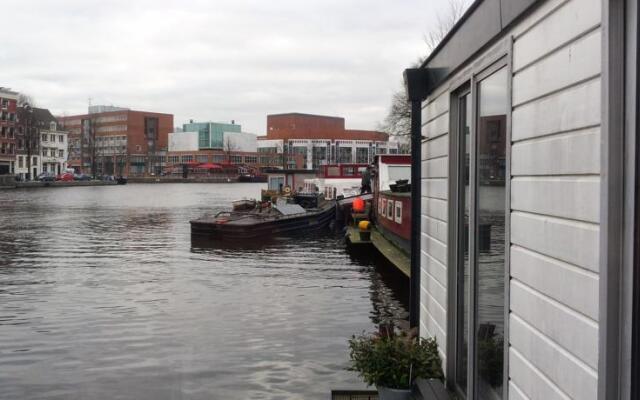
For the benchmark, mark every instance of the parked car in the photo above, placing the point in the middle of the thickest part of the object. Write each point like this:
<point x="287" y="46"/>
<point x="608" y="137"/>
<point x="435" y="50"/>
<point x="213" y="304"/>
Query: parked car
<point x="65" y="177"/>
<point x="81" y="177"/>
<point x="46" y="177"/>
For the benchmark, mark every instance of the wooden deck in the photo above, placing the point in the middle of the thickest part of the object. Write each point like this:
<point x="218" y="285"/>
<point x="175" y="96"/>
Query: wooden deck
<point x="396" y="256"/>
<point x="391" y="252"/>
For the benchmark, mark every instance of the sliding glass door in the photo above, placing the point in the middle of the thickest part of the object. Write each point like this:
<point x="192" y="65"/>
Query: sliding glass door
<point x="481" y="248"/>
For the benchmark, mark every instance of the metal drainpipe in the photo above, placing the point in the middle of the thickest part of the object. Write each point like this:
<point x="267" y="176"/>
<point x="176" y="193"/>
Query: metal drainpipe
<point x="416" y="84"/>
<point x="416" y="146"/>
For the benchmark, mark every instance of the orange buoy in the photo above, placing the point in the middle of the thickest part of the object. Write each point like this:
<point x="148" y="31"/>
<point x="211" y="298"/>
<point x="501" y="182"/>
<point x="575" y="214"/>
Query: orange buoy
<point x="358" y="205"/>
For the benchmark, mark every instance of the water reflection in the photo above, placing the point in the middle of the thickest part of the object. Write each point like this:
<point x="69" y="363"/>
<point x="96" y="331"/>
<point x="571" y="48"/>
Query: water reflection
<point x="103" y="295"/>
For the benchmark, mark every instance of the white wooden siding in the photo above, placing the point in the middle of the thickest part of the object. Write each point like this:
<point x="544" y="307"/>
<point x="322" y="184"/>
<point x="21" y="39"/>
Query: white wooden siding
<point x="555" y="201"/>
<point x="555" y="194"/>
<point x="433" y="266"/>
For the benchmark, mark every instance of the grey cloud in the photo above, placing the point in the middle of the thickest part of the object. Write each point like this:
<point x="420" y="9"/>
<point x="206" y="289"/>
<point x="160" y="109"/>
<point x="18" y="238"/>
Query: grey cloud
<point x="217" y="60"/>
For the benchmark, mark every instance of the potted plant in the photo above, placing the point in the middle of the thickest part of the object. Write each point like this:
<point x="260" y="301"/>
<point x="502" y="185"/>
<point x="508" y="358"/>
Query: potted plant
<point x="392" y="361"/>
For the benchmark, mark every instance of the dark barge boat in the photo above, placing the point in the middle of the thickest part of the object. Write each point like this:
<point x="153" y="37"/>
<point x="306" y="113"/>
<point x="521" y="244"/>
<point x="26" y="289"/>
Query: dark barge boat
<point x="300" y="213"/>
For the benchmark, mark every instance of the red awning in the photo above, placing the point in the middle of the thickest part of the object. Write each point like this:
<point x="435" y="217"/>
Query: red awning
<point x="209" y="166"/>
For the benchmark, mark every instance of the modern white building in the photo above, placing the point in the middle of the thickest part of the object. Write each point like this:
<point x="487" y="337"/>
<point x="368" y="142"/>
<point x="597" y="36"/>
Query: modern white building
<point x="240" y="141"/>
<point x="231" y="141"/>
<point x="183" y="141"/>
<point x="526" y="246"/>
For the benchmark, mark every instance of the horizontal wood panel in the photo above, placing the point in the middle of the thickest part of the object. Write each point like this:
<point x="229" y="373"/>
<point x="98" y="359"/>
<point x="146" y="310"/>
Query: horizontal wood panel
<point x="531" y="381"/>
<point x="574" y="108"/>
<point x="578" y="61"/>
<point x="537" y="15"/>
<point x="437" y="311"/>
<point x="432" y="324"/>
<point x="571" y="197"/>
<point x="573" y="242"/>
<point x="436" y="127"/>
<point x="434" y="228"/>
<point x="434" y="248"/>
<point x="437" y="147"/>
<point x="566" y="372"/>
<point x="575" y="333"/>
<point x="434" y="268"/>
<point x="573" y="286"/>
<point x="515" y="393"/>
<point x="435" y="107"/>
<point x="434" y="208"/>
<point x="435" y="187"/>
<point x="566" y="154"/>
<point x="436" y="168"/>
<point x="435" y="289"/>
<point x="553" y="31"/>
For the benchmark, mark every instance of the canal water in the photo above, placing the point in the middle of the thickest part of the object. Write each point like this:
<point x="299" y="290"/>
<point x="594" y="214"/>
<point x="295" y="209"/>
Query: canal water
<point x="104" y="296"/>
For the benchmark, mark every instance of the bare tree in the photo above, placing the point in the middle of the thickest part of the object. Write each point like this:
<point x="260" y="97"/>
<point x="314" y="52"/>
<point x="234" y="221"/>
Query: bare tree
<point x="228" y="147"/>
<point x="398" y="120"/>
<point x="444" y="22"/>
<point x="28" y="130"/>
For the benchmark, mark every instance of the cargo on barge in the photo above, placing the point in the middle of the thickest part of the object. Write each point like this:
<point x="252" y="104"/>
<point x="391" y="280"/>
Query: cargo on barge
<point x="297" y="214"/>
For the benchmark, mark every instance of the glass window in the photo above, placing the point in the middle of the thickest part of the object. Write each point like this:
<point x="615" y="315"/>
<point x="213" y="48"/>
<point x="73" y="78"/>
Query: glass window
<point x="490" y="240"/>
<point x="344" y="155"/>
<point x="462" y="317"/>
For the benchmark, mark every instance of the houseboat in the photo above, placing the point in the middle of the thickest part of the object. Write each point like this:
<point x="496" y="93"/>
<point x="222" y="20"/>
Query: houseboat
<point x="524" y="121"/>
<point x="390" y="210"/>
<point x="300" y="213"/>
<point x="337" y="180"/>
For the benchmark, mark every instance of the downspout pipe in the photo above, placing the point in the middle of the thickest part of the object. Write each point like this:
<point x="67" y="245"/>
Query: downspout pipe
<point x="416" y="85"/>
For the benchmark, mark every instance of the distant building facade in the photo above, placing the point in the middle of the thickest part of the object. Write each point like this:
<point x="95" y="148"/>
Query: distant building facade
<point x="8" y="122"/>
<point x="42" y="145"/>
<point x="211" y="134"/>
<point x="239" y="148"/>
<point x="322" y="140"/>
<point x="118" y="141"/>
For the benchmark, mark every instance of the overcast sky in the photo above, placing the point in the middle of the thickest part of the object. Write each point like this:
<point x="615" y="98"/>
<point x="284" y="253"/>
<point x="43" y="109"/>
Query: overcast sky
<point x="215" y="59"/>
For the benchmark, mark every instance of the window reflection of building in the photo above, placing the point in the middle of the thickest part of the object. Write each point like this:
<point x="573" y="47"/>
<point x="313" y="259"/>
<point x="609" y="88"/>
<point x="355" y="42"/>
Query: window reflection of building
<point x="490" y="260"/>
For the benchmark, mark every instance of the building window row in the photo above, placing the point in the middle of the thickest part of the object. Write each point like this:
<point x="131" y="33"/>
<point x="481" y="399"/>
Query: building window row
<point x="111" y="118"/>
<point x="7" y="148"/>
<point x="52" y="152"/>
<point x="7" y="132"/>
<point x="114" y="128"/>
<point x="7" y="116"/>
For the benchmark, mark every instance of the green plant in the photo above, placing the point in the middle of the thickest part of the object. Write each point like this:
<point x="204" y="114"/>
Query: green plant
<point x="394" y="360"/>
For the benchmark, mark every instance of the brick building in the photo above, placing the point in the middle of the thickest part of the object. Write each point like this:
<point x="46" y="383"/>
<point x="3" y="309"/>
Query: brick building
<point x="118" y="141"/>
<point x="322" y="140"/>
<point x="8" y="118"/>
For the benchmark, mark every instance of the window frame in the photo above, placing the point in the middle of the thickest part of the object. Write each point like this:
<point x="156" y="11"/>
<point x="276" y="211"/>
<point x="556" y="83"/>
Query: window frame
<point x="467" y="83"/>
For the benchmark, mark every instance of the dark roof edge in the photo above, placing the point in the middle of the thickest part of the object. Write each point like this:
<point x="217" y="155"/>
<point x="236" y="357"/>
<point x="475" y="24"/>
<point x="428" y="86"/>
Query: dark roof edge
<point x="452" y="32"/>
<point x="483" y="23"/>
<point x="304" y="115"/>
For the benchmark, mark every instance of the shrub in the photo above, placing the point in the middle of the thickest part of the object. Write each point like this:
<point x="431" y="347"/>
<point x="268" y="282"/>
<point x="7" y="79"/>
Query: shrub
<point x="394" y="360"/>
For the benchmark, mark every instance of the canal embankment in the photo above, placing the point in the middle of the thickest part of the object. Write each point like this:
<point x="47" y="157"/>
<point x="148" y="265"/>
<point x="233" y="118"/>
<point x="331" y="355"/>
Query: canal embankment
<point x="166" y="179"/>
<point x="9" y="182"/>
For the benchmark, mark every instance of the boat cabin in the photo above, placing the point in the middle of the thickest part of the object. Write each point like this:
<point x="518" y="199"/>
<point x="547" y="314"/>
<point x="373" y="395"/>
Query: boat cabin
<point x="337" y="180"/>
<point x="392" y="208"/>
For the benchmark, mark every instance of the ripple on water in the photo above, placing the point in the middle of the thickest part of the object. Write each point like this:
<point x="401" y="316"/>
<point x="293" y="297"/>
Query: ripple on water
<point x="103" y="296"/>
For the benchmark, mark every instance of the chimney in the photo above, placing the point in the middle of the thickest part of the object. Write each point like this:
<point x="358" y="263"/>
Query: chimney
<point x="233" y="122"/>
